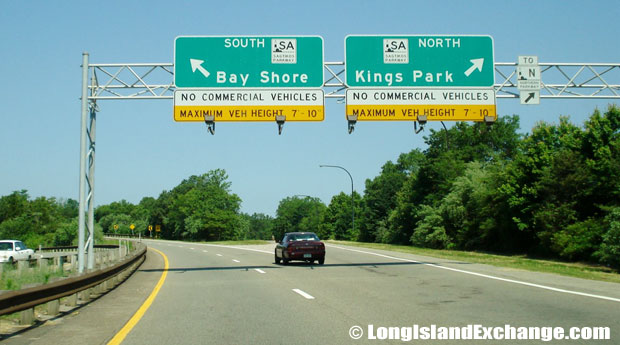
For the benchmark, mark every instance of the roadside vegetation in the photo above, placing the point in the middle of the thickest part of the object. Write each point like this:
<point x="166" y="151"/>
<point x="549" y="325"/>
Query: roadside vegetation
<point x="13" y="279"/>
<point x="40" y="221"/>
<point x="550" y="194"/>
<point x="520" y="262"/>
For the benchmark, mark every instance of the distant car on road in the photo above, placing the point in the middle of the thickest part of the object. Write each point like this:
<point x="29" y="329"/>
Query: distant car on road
<point x="12" y="250"/>
<point x="303" y="246"/>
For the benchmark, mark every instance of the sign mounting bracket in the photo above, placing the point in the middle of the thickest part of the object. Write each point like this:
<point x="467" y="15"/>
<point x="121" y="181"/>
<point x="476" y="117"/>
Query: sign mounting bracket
<point x="352" y="120"/>
<point x="210" y="122"/>
<point x="280" y="120"/>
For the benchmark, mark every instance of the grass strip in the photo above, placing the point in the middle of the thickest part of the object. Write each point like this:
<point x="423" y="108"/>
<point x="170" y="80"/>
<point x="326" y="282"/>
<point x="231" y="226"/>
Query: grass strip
<point x="522" y="262"/>
<point x="14" y="279"/>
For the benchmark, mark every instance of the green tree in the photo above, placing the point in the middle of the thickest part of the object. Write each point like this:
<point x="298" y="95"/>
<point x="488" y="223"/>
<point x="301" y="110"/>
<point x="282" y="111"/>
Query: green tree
<point x="116" y="207"/>
<point x="337" y="220"/>
<point x="13" y="205"/>
<point x="200" y="208"/>
<point x="69" y="208"/>
<point x="430" y="231"/>
<point x="298" y="214"/>
<point x="555" y="193"/>
<point x="609" y="252"/>
<point x="32" y="221"/>
<point x="260" y="226"/>
<point x="381" y="198"/>
<point x="600" y="147"/>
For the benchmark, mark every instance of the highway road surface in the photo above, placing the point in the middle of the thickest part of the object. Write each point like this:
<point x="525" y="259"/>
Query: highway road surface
<point x="215" y="294"/>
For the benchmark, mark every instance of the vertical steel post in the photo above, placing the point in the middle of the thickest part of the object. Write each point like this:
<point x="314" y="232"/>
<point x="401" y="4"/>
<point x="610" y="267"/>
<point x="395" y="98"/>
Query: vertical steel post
<point x="91" y="186"/>
<point x="82" y="199"/>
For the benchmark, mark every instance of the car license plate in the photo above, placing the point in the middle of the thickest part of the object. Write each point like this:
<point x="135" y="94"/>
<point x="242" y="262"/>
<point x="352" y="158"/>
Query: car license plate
<point x="307" y="255"/>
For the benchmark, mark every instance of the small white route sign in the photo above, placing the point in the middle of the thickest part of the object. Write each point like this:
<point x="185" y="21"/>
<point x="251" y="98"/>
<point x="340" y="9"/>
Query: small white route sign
<point x="528" y="79"/>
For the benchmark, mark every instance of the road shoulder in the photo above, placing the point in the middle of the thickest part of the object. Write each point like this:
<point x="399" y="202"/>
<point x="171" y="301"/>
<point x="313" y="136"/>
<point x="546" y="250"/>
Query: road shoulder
<point x="98" y="321"/>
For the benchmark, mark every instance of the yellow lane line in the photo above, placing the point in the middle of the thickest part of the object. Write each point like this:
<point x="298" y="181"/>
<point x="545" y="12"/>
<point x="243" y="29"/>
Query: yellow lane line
<point x="120" y="336"/>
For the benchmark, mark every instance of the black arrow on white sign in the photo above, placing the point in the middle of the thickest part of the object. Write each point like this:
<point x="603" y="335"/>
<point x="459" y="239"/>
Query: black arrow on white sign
<point x="530" y="96"/>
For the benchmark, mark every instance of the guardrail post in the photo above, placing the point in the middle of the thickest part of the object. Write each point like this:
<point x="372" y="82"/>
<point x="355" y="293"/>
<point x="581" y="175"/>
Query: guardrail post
<point x="73" y="262"/>
<point x="85" y="295"/>
<point x="53" y="307"/>
<point x="26" y="317"/>
<point x="42" y="263"/>
<point x="71" y="300"/>
<point x="21" y="266"/>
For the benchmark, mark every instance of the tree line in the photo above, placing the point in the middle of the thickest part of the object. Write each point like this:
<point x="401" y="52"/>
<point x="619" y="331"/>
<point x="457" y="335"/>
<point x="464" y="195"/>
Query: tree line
<point x="554" y="192"/>
<point x="40" y="221"/>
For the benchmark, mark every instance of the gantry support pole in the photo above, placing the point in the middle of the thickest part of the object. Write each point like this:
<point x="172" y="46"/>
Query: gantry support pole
<point x="82" y="207"/>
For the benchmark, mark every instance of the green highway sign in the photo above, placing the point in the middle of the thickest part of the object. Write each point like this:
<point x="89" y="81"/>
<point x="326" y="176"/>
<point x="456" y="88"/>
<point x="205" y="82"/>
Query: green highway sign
<point x="248" y="62"/>
<point x="419" y="61"/>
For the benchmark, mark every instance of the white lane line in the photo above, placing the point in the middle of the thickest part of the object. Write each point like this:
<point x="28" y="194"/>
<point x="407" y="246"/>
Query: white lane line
<point x="259" y="270"/>
<point x="240" y="248"/>
<point x="485" y="275"/>
<point x="192" y="248"/>
<point x="218" y="254"/>
<point x="236" y="260"/>
<point x="307" y="296"/>
<point x="224" y="246"/>
<point x="204" y="251"/>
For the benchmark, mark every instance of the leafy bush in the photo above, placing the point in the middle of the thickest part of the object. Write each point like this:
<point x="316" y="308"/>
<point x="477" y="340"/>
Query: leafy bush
<point x="430" y="231"/>
<point x="609" y="252"/>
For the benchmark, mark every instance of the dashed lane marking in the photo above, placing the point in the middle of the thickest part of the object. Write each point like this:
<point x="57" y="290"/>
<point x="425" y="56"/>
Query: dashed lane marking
<point x="304" y="294"/>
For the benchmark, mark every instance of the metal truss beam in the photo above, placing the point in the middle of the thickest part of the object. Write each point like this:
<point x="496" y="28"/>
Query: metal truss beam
<point x="559" y="81"/>
<point x="564" y="80"/>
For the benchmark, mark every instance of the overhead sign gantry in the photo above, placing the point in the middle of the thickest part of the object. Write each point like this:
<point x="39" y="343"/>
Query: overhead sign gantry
<point x="149" y="81"/>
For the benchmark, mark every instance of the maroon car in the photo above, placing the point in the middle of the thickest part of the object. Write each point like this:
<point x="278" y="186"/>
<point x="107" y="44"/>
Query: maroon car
<point x="303" y="246"/>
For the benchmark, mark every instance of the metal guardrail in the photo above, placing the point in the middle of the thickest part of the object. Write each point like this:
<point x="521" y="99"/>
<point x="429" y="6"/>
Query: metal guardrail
<point x="74" y="248"/>
<point x="125" y="236"/>
<point x="19" y="300"/>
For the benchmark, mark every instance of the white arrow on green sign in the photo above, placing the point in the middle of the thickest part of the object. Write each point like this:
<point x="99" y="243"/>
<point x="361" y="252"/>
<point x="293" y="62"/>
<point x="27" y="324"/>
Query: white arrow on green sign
<point x="248" y="61"/>
<point x="419" y="61"/>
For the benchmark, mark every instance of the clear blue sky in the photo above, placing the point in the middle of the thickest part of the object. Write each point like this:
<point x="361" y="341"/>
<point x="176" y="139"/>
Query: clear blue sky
<point x="141" y="151"/>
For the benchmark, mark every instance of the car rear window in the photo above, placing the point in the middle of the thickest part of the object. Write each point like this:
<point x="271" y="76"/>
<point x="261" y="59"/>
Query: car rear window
<point x="304" y="237"/>
<point x="6" y="246"/>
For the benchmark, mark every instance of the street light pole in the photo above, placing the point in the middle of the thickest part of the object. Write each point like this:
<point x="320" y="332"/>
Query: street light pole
<point x="352" y="201"/>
